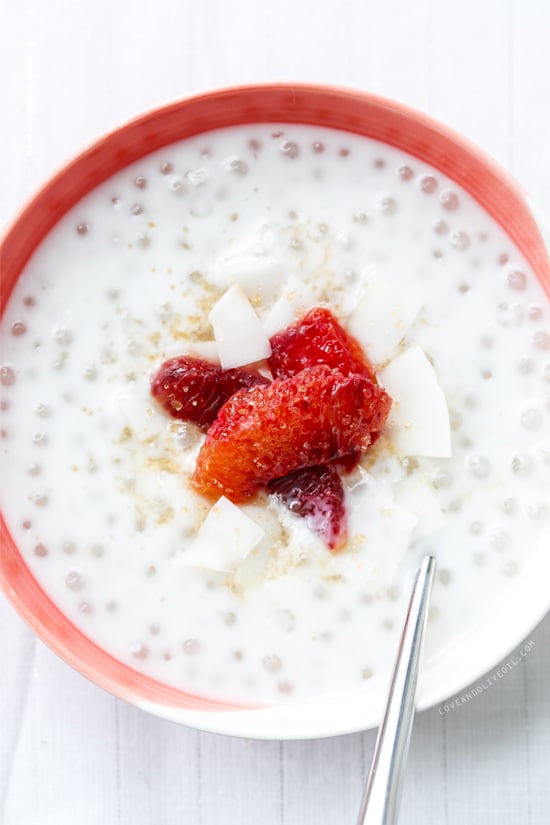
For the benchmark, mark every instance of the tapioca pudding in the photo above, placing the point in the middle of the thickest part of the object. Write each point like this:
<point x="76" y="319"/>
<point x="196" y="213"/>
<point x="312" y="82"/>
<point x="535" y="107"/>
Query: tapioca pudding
<point x="209" y="250"/>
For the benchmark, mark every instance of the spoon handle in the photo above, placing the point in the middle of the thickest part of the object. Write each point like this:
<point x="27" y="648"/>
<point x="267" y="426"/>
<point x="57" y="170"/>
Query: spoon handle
<point x="382" y="795"/>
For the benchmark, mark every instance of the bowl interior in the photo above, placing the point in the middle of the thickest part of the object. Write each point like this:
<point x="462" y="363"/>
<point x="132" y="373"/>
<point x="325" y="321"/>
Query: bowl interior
<point x="351" y="111"/>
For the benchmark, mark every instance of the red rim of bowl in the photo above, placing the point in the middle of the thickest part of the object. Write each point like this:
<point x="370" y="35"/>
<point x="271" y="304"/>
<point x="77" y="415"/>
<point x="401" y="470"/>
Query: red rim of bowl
<point x="325" y="106"/>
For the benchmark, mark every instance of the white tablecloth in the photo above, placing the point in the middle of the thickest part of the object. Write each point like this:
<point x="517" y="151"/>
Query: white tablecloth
<point x="69" y="753"/>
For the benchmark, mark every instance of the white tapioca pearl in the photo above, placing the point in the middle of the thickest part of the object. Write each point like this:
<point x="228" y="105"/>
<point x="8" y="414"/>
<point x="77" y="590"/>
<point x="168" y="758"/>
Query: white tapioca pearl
<point x="82" y="228"/>
<point x="74" y="580"/>
<point x="449" y="200"/>
<point x="404" y="172"/>
<point x="509" y="315"/>
<point x="40" y="550"/>
<point x="541" y="340"/>
<point x="197" y="177"/>
<point x="40" y="499"/>
<point x="62" y="336"/>
<point x="137" y="209"/>
<point x="522" y="464"/>
<point x="140" y="651"/>
<point x="499" y="540"/>
<point x="42" y="409"/>
<point x="386" y="204"/>
<point x="176" y="185"/>
<point x="478" y="465"/>
<point x="534" y="312"/>
<point x="516" y="279"/>
<point x="18" y="328"/>
<point x="525" y="365"/>
<point x="440" y="227"/>
<point x="40" y="439"/>
<point x="537" y="509"/>
<point x="509" y="568"/>
<point x="7" y="376"/>
<point x="191" y="647"/>
<point x="459" y="239"/>
<point x="290" y="149"/>
<point x="235" y="165"/>
<point x="531" y="418"/>
<point x="272" y="664"/>
<point x="427" y="184"/>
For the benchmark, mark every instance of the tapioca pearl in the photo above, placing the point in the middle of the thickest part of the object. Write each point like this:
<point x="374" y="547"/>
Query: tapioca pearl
<point x="74" y="580"/>
<point x="42" y="409"/>
<point x="39" y="499"/>
<point x="18" y="328"/>
<point x="27" y="524"/>
<point x="486" y="374"/>
<point x="535" y="312"/>
<point x="542" y="452"/>
<point x="7" y="375"/>
<point x="525" y="365"/>
<point x="479" y="466"/>
<point x="40" y="439"/>
<point x="191" y="647"/>
<point x="479" y="559"/>
<point x="86" y="608"/>
<point x="197" y="177"/>
<point x="143" y="240"/>
<point x="38" y="346"/>
<point x="116" y="203"/>
<point x="150" y="571"/>
<point x="235" y="165"/>
<point x="4" y="405"/>
<point x="509" y="568"/>
<point x="541" y="340"/>
<point x="62" y="336"/>
<point x="140" y="182"/>
<point x="97" y="551"/>
<point x="509" y="506"/>
<point x="154" y="629"/>
<point x="516" y="279"/>
<point x="344" y="152"/>
<point x="289" y="149"/>
<point x="393" y="593"/>
<point x="499" y="539"/>
<point x="29" y="301"/>
<point x="427" y="184"/>
<point x="272" y="663"/>
<point x="537" y="509"/>
<point x="34" y="469"/>
<point x="471" y="401"/>
<point x="40" y="550"/>
<point x="201" y="205"/>
<point x="360" y="217"/>
<point x="255" y="146"/>
<point x="166" y="168"/>
<point x="404" y="172"/>
<point x="441" y="479"/>
<point x="296" y="244"/>
<point x="487" y="341"/>
<point x="444" y="576"/>
<point x="318" y="148"/>
<point x="111" y="606"/>
<point x="229" y="618"/>
<point x="82" y="228"/>
<point x="285" y="688"/>
<point x="91" y="372"/>
<point x="522" y="465"/>
<point x="509" y="315"/>
<point x="238" y="655"/>
<point x="440" y="227"/>
<point x="531" y="417"/>
<point x="367" y="673"/>
<point x="386" y="204"/>
<point x="167" y="656"/>
<point x="449" y="200"/>
<point x="320" y="231"/>
<point x="388" y="624"/>
<point x="459" y="239"/>
<point x="437" y="254"/>
<point x="286" y="620"/>
<point x="140" y="651"/>
<point x="69" y="547"/>
<point x="176" y="185"/>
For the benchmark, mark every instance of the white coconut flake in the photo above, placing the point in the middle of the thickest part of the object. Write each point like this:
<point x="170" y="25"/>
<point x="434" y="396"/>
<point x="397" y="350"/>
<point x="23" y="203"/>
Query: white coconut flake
<point x="257" y="275"/>
<point x="224" y="540"/>
<point x="295" y="299"/>
<point x="415" y="494"/>
<point x="382" y="318"/>
<point x="418" y="423"/>
<point x="239" y="335"/>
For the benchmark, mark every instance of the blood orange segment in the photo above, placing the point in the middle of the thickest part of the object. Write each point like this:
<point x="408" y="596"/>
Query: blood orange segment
<point x="316" y="494"/>
<point x="265" y="432"/>
<point x="194" y="390"/>
<point x="316" y="339"/>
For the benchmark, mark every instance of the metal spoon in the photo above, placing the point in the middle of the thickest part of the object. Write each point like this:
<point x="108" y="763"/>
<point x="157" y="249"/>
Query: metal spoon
<point x="382" y="795"/>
